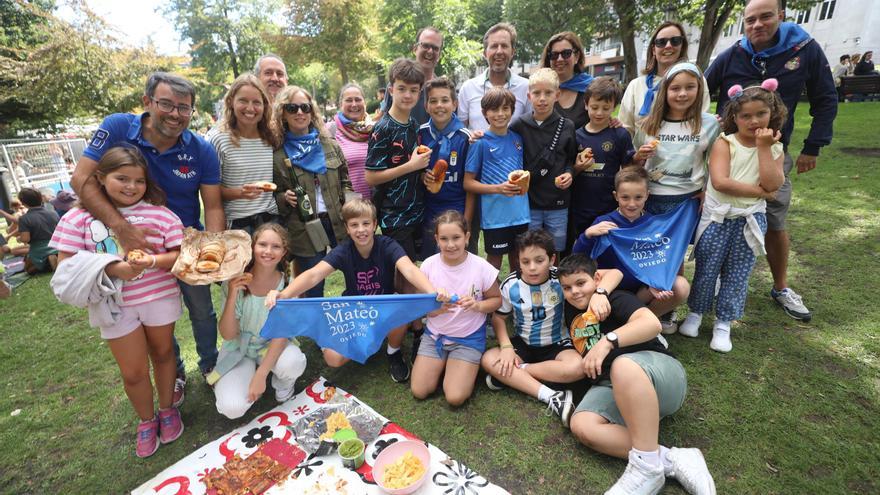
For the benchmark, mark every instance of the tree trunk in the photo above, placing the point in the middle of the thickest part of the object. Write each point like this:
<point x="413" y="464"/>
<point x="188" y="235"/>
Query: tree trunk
<point x="343" y="72"/>
<point x="626" y="19"/>
<point x="233" y="57"/>
<point x="717" y="14"/>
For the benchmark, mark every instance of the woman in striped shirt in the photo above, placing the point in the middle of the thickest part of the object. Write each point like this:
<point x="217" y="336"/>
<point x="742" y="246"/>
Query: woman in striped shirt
<point x="244" y="141"/>
<point x="351" y="127"/>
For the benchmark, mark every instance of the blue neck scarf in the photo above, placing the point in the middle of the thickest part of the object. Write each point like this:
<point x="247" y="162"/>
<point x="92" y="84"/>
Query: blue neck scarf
<point x="578" y="82"/>
<point x="343" y="118"/>
<point x="649" y="96"/>
<point x="306" y="151"/>
<point x="442" y="136"/>
<point x="789" y="35"/>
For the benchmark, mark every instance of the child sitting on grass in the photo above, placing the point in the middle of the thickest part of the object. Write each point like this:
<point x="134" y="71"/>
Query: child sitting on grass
<point x="369" y="263"/>
<point x="540" y="351"/>
<point x="631" y="193"/>
<point x="35" y="229"/>
<point x="636" y="382"/>
<point x="246" y="359"/>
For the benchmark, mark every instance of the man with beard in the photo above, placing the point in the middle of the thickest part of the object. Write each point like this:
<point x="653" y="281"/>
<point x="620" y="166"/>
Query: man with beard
<point x="429" y="43"/>
<point x="272" y="72"/>
<point x="186" y="167"/>
<point x="499" y="48"/>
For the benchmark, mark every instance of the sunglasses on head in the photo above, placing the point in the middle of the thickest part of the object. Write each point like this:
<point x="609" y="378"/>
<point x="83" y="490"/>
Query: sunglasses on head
<point x="293" y="107"/>
<point x="674" y="41"/>
<point x="566" y="54"/>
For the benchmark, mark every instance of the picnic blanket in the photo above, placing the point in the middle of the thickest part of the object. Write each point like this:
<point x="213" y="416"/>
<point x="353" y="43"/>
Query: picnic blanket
<point x="446" y="476"/>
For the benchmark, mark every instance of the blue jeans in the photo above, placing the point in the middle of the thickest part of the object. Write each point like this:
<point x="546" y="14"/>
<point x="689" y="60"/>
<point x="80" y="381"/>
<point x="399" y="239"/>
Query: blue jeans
<point x="553" y="221"/>
<point x="197" y="299"/>
<point x="307" y="262"/>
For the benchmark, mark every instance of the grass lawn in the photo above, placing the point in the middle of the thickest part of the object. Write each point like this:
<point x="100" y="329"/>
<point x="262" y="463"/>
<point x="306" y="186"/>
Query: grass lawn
<point x="795" y="408"/>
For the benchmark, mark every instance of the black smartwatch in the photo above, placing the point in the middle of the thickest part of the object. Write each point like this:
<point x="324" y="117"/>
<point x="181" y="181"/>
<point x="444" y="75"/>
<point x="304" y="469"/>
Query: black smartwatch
<point x="612" y="337"/>
<point x="600" y="290"/>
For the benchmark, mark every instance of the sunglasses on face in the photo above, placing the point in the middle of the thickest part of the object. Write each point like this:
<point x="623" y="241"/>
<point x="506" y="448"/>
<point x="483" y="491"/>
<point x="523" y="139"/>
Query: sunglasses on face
<point x="293" y="107"/>
<point x="674" y="41"/>
<point x="566" y="54"/>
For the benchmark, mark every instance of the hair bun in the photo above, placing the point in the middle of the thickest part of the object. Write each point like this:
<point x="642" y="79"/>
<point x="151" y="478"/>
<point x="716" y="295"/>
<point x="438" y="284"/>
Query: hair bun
<point x="734" y="91"/>
<point x="770" y="84"/>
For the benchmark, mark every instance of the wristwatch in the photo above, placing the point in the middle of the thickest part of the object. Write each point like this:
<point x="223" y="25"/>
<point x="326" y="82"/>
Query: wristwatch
<point x="612" y="337"/>
<point x="600" y="290"/>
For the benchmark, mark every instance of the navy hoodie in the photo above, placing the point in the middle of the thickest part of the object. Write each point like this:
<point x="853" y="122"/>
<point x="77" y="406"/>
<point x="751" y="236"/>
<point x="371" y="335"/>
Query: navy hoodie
<point x="796" y="61"/>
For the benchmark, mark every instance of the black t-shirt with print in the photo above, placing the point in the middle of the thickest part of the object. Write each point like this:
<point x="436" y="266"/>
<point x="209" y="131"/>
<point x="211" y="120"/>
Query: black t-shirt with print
<point x="623" y="305"/>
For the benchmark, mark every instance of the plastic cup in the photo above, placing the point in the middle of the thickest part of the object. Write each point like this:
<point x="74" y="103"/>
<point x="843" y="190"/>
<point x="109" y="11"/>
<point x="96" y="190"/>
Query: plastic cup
<point x="355" y="447"/>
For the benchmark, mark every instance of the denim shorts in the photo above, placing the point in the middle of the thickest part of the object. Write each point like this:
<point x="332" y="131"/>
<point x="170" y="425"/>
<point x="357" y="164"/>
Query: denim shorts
<point x="553" y="221"/>
<point x="451" y="350"/>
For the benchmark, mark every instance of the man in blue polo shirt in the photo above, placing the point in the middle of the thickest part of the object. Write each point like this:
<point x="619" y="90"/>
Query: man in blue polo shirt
<point x="185" y="167"/>
<point x="781" y="50"/>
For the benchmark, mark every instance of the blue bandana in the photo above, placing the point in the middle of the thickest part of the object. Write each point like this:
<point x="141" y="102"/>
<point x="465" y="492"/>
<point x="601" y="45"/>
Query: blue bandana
<point x="649" y="96"/>
<point x="442" y="136"/>
<point x="306" y="151"/>
<point x="342" y="118"/>
<point x="790" y="35"/>
<point x="578" y="82"/>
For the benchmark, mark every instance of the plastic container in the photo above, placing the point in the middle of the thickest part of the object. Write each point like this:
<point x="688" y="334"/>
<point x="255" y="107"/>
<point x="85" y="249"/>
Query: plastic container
<point x="394" y="452"/>
<point x="355" y="460"/>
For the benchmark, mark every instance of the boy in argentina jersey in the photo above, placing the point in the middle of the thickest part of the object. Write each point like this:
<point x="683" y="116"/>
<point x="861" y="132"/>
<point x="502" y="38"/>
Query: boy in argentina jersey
<point x="540" y="350"/>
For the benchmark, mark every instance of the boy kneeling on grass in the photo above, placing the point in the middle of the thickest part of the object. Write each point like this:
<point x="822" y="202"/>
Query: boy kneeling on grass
<point x="636" y="382"/>
<point x="539" y="351"/>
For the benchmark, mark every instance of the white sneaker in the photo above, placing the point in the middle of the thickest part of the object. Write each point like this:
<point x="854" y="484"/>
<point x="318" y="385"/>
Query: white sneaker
<point x="792" y="304"/>
<point x="721" y="339"/>
<point x="639" y="478"/>
<point x="690" y="327"/>
<point x="690" y="470"/>
<point x="284" y="394"/>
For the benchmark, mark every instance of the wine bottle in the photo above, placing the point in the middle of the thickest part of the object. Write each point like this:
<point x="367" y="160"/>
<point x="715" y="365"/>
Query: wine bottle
<point x="303" y="203"/>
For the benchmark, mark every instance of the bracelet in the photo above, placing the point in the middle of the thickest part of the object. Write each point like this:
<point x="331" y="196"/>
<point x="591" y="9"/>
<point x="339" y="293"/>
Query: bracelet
<point x="507" y="346"/>
<point x="153" y="264"/>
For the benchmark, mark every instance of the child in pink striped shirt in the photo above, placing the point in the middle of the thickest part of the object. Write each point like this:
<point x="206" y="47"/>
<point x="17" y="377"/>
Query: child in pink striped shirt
<point x="151" y="298"/>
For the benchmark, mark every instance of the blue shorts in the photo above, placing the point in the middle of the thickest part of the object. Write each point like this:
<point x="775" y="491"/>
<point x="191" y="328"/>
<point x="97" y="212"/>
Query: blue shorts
<point x="553" y="221"/>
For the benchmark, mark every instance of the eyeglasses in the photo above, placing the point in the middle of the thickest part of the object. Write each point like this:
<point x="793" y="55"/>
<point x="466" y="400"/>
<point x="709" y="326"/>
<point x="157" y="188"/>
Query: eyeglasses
<point x="428" y="47"/>
<point x="674" y="41"/>
<point x="168" y="107"/>
<point x="566" y="54"/>
<point x="294" y="107"/>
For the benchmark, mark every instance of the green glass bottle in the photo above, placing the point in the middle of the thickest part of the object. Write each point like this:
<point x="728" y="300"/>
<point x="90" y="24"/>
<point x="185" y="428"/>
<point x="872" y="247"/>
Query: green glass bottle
<point x="303" y="203"/>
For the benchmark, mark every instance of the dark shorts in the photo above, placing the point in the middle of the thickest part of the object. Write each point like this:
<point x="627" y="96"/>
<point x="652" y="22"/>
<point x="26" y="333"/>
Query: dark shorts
<point x="409" y="238"/>
<point x="659" y="204"/>
<point x="777" y="209"/>
<point x="501" y="241"/>
<point x="532" y="354"/>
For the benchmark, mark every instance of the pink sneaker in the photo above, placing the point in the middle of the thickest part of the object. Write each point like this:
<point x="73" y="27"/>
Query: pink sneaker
<point x="170" y="425"/>
<point x="179" y="389"/>
<point x="147" y="443"/>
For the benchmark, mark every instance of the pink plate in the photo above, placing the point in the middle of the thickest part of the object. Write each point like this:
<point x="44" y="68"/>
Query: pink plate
<point x="394" y="452"/>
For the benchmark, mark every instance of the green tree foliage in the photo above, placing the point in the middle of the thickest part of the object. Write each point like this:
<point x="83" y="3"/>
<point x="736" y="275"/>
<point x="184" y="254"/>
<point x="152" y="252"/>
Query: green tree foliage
<point x="536" y="23"/>
<point x="337" y="33"/>
<point x="62" y="70"/>
<point x="227" y="36"/>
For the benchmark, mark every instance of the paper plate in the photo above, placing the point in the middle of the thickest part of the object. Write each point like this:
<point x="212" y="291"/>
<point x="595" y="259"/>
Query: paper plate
<point x="238" y="255"/>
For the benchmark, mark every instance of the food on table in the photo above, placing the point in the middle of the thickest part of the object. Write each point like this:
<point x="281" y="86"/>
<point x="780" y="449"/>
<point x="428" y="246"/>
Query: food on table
<point x="329" y="482"/>
<point x="253" y="475"/>
<point x="335" y="422"/>
<point x="403" y="472"/>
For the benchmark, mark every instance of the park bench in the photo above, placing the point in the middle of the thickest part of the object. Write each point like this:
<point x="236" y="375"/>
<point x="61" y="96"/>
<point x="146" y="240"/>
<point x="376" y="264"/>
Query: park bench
<point x="861" y="88"/>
